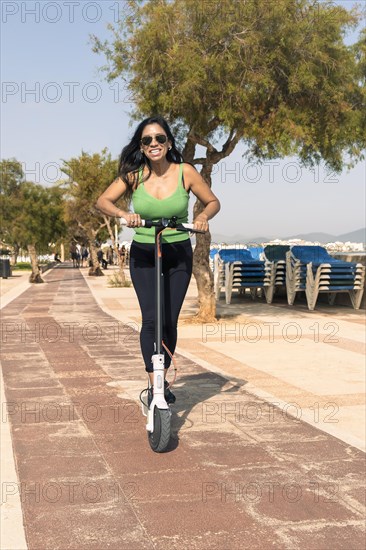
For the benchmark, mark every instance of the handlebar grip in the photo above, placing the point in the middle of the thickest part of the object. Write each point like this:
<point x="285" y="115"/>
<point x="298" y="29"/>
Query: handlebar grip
<point x="189" y="227"/>
<point x="123" y="221"/>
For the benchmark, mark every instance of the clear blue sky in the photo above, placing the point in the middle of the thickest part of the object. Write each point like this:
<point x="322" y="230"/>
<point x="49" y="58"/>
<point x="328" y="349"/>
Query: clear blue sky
<point x="55" y="104"/>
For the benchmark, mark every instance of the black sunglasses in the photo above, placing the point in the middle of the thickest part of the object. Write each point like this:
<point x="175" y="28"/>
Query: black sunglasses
<point x="160" y="138"/>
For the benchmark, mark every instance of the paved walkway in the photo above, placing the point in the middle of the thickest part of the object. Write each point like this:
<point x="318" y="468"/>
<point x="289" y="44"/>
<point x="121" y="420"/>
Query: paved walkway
<point x="241" y="471"/>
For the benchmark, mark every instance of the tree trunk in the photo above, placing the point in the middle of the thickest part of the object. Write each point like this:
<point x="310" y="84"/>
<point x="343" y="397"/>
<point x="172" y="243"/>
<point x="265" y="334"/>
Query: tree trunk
<point x="204" y="279"/>
<point x="35" y="276"/>
<point x="95" y="270"/>
<point x="14" y="255"/>
<point x="201" y="265"/>
<point x="121" y="274"/>
<point x="91" y="235"/>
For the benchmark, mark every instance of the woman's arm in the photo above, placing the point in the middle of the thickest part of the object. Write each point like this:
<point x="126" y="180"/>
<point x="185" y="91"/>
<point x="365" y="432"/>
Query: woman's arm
<point x="198" y="186"/>
<point x="106" y="201"/>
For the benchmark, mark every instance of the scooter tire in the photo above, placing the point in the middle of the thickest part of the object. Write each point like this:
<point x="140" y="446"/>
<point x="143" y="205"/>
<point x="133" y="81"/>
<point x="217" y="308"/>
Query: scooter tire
<point x="159" y="438"/>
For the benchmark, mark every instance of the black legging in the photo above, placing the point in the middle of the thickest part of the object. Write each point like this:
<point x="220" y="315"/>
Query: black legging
<point x="177" y="271"/>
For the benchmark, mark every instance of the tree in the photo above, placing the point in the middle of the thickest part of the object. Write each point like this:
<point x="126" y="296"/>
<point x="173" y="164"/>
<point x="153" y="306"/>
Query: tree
<point x="39" y="221"/>
<point x="276" y="76"/>
<point x="10" y="183"/>
<point x="360" y="122"/>
<point x="32" y="214"/>
<point x="89" y="175"/>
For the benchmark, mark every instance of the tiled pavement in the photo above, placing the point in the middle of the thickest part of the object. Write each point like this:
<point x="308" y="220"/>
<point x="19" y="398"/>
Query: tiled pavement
<point x="87" y="479"/>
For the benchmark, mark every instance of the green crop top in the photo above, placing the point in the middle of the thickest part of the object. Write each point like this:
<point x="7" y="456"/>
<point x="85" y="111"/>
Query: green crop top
<point x="151" y="208"/>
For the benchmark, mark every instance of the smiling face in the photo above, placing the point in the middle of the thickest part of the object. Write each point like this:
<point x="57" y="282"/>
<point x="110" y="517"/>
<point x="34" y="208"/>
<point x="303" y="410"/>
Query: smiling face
<point x="154" y="142"/>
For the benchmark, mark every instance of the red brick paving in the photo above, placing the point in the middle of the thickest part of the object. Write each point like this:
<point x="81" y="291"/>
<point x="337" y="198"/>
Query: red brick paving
<point x="88" y="479"/>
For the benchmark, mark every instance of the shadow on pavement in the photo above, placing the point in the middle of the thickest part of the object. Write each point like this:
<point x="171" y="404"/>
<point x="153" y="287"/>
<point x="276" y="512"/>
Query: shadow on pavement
<point x="194" y="390"/>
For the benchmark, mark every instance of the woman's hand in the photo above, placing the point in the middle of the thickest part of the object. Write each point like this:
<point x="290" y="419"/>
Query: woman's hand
<point x="132" y="219"/>
<point x="201" y="222"/>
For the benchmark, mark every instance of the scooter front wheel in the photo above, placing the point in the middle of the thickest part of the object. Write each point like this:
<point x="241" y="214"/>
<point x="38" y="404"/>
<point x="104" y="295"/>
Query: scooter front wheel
<point x="159" y="438"/>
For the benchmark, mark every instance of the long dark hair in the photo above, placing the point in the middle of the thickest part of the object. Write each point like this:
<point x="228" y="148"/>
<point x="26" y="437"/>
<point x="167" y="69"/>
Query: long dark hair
<point x="131" y="158"/>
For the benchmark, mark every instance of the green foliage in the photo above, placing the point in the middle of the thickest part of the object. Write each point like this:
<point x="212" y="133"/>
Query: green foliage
<point x="40" y="219"/>
<point x="11" y="178"/>
<point x="31" y="213"/>
<point x="89" y="175"/>
<point x="277" y="75"/>
<point x="360" y="101"/>
<point x="116" y="281"/>
<point x="23" y="266"/>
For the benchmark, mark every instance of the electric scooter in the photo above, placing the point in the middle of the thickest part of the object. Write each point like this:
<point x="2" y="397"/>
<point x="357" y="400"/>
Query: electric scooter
<point x="158" y="412"/>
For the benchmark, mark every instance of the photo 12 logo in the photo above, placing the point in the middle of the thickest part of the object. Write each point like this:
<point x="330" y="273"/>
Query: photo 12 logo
<point x="270" y="491"/>
<point x="68" y="492"/>
<point x="34" y="412"/>
<point x="271" y="171"/>
<point x="252" y="332"/>
<point x="70" y="12"/>
<point x="68" y="331"/>
<point x="71" y="92"/>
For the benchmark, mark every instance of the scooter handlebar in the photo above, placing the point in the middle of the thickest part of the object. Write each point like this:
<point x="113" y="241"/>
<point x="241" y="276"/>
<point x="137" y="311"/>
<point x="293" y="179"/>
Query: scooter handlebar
<point x="189" y="227"/>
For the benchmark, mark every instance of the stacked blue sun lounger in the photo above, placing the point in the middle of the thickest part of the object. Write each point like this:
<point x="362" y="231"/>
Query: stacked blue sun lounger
<point x="213" y="252"/>
<point x="240" y="269"/>
<point x="312" y="270"/>
<point x="276" y="255"/>
<point x="220" y="259"/>
<point x="257" y="252"/>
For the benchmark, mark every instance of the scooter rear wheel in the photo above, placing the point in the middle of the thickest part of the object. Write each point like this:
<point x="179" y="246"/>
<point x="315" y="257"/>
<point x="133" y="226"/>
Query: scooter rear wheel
<point x="159" y="438"/>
